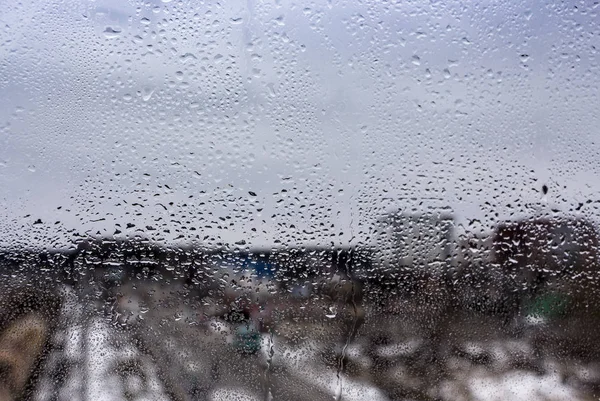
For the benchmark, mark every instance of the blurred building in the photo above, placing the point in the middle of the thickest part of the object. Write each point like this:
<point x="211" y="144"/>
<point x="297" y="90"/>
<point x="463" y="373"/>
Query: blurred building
<point x="557" y="255"/>
<point x="415" y="240"/>
<point x="546" y="247"/>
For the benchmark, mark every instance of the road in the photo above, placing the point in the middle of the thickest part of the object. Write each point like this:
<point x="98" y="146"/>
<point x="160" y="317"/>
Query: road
<point x="145" y="341"/>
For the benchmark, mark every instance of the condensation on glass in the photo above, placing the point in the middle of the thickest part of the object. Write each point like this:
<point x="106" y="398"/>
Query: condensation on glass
<point x="275" y="200"/>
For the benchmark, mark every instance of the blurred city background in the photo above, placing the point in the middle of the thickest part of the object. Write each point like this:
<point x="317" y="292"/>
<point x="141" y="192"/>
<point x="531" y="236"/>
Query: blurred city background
<point x="426" y="313"/>
<point x="299" y="200"/>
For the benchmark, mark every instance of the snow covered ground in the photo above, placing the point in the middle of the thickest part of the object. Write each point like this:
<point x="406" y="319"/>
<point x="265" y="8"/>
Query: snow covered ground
<point x="167" y="348"/>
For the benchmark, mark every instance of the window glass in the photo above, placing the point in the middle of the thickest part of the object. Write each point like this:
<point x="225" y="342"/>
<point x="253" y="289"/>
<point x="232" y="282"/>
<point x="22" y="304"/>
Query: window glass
<point x="302" y="200"/>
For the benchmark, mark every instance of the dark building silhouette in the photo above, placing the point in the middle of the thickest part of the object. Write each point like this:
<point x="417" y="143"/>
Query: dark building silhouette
<point x="545" y="254"/>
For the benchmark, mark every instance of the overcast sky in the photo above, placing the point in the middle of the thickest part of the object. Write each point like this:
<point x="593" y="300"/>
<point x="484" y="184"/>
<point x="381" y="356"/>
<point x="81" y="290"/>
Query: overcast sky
<point x="286" y="123"/>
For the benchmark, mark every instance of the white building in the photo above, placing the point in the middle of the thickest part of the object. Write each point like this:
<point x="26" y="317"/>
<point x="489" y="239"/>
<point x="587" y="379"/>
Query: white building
<point x="418" y="240"/>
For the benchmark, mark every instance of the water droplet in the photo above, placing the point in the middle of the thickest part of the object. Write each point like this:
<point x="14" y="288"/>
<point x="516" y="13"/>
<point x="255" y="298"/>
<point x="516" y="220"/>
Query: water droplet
<point x="147" y="94"/>
<point x="187" y="57"/>
<point x="110" y="32"/>
<point x="416" y="60"/>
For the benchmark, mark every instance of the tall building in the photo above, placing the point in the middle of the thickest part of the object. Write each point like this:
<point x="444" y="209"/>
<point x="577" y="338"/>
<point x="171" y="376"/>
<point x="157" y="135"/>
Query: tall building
<point x="423" y="240"/>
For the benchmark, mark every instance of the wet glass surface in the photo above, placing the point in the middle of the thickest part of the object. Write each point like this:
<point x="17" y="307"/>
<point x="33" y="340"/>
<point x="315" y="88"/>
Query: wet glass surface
<point x="299" y="201"/>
